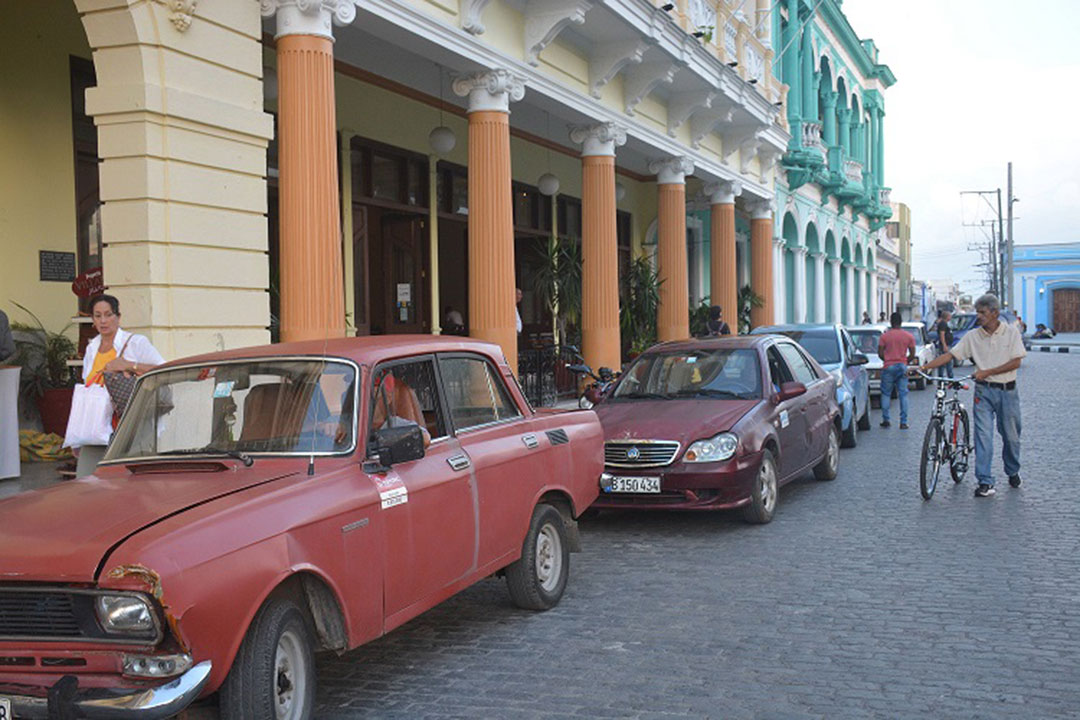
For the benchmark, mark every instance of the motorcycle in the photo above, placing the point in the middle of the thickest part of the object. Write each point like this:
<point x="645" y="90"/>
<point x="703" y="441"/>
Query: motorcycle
<point x="594" y="393"/>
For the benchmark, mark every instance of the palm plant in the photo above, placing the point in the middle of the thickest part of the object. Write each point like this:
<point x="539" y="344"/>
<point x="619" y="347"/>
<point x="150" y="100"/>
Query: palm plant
<point x="699" y="318"/>
<point x="42" y="355"/>
<point x="748" y="299"/>
<point x="557" y="282"/>
<point x="638" y="302"/>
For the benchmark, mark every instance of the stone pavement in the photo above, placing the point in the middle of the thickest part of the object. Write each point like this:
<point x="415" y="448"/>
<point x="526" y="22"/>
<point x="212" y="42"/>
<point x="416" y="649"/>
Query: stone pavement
<point x="858" y="600"/>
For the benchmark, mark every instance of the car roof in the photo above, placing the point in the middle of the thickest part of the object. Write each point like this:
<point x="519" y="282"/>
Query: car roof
<point x="370" y="349"/>
<point x="793" y="327"/>
<point x="710" y="343"/>
<point x="876" y="326"/>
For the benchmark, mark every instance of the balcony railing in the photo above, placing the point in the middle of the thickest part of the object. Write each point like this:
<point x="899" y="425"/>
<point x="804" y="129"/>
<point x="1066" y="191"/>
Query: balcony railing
<point x="853" y="171"/>
<point x="884" y="196"/>
<point x="811" y="135"/>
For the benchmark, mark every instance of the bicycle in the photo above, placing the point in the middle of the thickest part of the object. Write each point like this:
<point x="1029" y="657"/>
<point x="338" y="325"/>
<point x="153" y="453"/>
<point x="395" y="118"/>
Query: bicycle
<point x="948" y="435"/>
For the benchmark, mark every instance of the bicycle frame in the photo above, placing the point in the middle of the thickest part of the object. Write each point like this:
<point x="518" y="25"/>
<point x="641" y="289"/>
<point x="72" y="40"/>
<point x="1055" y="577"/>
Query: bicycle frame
<point x="948" y="415"/>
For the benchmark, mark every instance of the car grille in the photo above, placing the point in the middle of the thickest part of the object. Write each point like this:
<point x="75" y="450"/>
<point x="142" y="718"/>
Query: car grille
<point x="640" y="453"/>
<point x="41" y="614"/>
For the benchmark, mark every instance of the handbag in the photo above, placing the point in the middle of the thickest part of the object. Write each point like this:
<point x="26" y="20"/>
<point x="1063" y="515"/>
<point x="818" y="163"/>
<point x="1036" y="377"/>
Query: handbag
<point x="120" y="387"/>
<point x="90" y="422"/>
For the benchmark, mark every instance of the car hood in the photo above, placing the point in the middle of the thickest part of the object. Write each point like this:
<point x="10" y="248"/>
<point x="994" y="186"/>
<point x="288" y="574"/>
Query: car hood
<point x="682" y="420"/>
<point x="62" y="533"/>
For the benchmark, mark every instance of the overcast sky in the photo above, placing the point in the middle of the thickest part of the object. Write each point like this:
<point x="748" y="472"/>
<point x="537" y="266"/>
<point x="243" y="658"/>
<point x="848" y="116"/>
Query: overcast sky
<point x="978" y="83"/>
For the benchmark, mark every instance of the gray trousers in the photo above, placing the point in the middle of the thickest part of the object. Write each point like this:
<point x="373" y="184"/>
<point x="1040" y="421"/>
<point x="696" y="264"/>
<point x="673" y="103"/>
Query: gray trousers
<point x="89" y="457"/>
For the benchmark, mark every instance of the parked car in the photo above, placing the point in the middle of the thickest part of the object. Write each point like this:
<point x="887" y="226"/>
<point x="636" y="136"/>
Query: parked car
<point x="925" y="351"/>
<point x="718" y="423"/>
<point x="835" y="352"/>
<point x="866" y="339"/>
<point x="258" y="505"/>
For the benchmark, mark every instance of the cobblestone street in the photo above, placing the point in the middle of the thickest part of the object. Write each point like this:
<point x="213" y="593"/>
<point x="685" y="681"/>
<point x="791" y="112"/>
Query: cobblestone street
<point x="860" y="599"/>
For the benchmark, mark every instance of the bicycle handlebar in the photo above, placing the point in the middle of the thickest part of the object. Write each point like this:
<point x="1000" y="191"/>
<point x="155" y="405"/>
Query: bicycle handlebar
<point x="945" y="380"/>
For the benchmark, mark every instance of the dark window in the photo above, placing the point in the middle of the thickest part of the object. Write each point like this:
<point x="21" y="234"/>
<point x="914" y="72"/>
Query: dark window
<point x="821" y="344"/>
<point x="892" y="229"/>
<point x="778" y="369"/>
<point x="475" y="393"/>
<point x="569" y="211"/>
<point x="623" y="229"/>
<point x="405" y="393"/>
<point x="803" y="372"/>
<point x="386" y="177"/>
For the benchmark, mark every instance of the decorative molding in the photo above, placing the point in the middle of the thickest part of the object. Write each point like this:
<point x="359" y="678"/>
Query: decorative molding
<point x="671" y="170"/>
<point x="609" y="59"/>
<point x="762" y="209"/>
<point x="545" y="19"/>
<point x="490" y="90"/>
<point x="736" y="136"/>
<point x="643" y="79"/>
<point x="703" y="123"/>
<point x="182" y="12"/>
<point x="767" y="157"/>
<point x="308" y="17"/>
<point x="472" y="15"/>
<point x="685" y="104"/>
<point x="599" y="139"/>
<point x="723" y="192"/>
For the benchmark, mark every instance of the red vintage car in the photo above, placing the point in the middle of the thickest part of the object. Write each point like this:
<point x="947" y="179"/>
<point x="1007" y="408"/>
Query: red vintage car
<point x="716" y="424"/>
<point x="258" y="505"/>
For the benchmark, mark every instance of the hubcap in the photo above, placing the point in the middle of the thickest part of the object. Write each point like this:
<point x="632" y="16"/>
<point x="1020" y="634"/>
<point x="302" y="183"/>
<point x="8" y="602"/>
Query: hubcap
<point x="834" y="451"/>
<point x="768" y="487"/>
<point x="548" y="557"/>
<point x="290" y="677"/>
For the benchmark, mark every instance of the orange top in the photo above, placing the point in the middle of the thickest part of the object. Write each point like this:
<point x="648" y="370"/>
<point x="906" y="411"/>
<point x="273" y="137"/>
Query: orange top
<point x="100" y="361"/>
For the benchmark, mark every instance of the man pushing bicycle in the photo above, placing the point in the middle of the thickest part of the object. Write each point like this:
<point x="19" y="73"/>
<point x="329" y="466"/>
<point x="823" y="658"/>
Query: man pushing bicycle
<point x="997" y="350"/>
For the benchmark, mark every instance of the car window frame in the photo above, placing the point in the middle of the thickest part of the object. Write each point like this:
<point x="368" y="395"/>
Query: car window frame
<point x="848" y="344"/>
<point x="810" y="368"/>
<point x="772" y="346"/>
<point x="439" y="394"/>
<point x="493" y="374"/>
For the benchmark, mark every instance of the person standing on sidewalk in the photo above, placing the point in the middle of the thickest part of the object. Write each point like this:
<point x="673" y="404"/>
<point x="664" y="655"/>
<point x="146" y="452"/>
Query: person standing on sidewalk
<point x="896" y="348"/>
<point x="997" y="349"/>
<point x="944" y="341"/>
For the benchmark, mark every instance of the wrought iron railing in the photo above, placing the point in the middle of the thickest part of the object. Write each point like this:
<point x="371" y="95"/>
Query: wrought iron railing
<point x="543" y="376"/>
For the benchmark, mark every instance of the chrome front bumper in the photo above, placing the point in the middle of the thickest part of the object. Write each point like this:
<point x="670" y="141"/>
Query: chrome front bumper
<point x="156" y="703"/>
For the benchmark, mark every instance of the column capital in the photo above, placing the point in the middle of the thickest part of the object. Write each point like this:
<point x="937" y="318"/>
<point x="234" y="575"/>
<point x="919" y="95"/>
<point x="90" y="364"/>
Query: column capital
<point x="835" y="262"/>
<point x="761" y="210"/>
<point x="779" y="242"/>
<point x="800" y="251"/>
<point x="671" y="170"/>
<point x="598" y="139"/>
<point x="308" y="17"/>
<point x="491" y="90"/>
<point x="844" y="114"/>
<point x="723" y="192"/>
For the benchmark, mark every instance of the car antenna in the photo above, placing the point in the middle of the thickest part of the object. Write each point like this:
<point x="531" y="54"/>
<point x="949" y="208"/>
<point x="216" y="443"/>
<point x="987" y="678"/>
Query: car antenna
<point x="311" y="465"/>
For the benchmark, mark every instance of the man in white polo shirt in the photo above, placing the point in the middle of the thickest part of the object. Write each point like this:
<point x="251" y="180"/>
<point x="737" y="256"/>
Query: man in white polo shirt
<point x="997" y="349"/>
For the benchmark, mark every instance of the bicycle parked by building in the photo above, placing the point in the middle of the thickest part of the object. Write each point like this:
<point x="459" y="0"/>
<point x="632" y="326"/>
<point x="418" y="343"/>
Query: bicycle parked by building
<point x="948" y="435"/>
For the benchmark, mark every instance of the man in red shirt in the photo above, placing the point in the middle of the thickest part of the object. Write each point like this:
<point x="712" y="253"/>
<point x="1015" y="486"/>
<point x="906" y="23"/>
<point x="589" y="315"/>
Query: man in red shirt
<point x="896" y="348"/>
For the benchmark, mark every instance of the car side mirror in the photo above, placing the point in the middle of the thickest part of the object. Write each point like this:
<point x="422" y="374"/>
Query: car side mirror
<point x="390" y="446"/>
<point x="858" y="359"/>
<point x="790" y="390"/>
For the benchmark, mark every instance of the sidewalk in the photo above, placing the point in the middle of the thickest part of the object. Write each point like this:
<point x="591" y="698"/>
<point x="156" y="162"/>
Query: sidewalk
<point x="35" y="475"/>
<point x="1062" y="343"/>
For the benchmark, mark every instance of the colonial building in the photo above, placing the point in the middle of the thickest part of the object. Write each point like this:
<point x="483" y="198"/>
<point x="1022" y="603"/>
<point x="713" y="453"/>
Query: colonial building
<point x="898" y="228"/>
<point x="1047" y="285"/>
<point x="335" y="167"/>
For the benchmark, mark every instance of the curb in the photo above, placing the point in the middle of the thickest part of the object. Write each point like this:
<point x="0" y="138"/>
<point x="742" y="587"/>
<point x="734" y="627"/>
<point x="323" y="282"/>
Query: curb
<point x="1058" y="348"/>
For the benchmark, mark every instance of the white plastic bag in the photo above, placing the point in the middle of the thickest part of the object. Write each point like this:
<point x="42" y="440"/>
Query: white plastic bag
<point x="90" y="422"/>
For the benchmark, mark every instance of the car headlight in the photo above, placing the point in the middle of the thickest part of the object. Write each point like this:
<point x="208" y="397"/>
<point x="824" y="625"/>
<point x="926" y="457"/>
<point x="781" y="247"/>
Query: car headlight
<point x="125" y="615"/>
<point x="714" y="449"/>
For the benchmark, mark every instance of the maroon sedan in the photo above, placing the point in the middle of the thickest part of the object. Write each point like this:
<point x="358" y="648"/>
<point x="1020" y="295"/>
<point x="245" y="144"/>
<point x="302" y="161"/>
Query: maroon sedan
<point x="716" y="424"/>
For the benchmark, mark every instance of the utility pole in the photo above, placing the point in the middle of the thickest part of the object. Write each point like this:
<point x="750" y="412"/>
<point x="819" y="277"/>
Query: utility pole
<point x="1000" y="251"/>
<point x="994" y="266"/>
<point x="1009" y="242"/>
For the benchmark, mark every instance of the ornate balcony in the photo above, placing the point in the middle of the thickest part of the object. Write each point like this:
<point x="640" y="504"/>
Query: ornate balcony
<point x="853" y="171"/>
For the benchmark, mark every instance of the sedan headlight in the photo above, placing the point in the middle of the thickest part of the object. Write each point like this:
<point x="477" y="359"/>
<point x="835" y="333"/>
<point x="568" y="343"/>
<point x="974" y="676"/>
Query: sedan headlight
<point x="125" y="615"/>
<point x="721" y="447"/>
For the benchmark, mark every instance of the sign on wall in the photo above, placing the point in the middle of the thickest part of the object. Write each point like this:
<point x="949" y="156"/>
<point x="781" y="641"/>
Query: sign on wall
<point x="56" y="266"/>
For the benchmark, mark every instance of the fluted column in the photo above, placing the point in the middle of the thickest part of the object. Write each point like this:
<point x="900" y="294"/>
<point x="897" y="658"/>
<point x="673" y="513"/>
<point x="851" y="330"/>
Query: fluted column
<point x="761" y="261"/>
<point x="724" y="284"/>
<point x="873" y="297"/>
<point x="779" y="279"/>
<point x="829" y="121"/>
<point x="860" y="296"/>
<point x="849" y="304"/>
<point x="819" y="288"/>
<point x="799" y="286"/>
<point x="673" y="315"/>
<point x="837" y="302"/>
<point x="806" y="58"/>
<point x="844" y="118"/>
<point x="491" y="217"/>
<point x="879" y="142"/>
<point x="312" y="291"/>
<point x="599" y="244"/>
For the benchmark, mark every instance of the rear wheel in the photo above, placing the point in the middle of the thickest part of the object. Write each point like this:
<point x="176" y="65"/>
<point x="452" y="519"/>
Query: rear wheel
<point x="864" y="421"/>
<point x="958" y="462"/>
<point x="536" y="581"/>
<point x="933" y="450"/>
<point x="827" y="468"/>
<point x="765" y="493"/>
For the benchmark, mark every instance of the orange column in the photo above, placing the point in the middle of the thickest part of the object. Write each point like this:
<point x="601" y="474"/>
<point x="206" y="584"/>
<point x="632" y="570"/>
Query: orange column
<point x="724" y="285"/>
<point x="312" y="286"/>
<point x="492" y="314"/>
<point x="761" y="261"/>
<point x="673" y="315"/>
<point x="600" y="340"/>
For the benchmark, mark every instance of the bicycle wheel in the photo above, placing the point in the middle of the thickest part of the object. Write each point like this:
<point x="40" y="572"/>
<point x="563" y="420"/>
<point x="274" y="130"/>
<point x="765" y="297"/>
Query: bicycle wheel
<point x="933" y="449"/>
<point x="960" y="441"/>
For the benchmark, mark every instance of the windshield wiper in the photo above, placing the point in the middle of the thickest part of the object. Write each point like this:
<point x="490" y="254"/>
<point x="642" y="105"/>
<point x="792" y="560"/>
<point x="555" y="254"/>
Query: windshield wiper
<point x="708" y="392"/>
<point x="211" y="450"/>
<point x="643" y="396"/>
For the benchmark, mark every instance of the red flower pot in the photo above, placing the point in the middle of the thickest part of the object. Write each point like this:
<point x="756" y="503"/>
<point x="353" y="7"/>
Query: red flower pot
<point x="55" y="407"/>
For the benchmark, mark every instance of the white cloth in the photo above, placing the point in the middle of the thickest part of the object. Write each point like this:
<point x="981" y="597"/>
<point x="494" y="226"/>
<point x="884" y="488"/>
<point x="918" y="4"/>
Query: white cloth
<point x="989" y="350"/>
<point x="138" y="350"/>
<point x="518" y="313"/>
<point x="9" y="422"/>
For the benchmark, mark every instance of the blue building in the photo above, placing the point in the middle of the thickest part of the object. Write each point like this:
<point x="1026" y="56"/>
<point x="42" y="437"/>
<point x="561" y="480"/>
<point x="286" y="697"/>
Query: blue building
<point x="1047" y="285"/>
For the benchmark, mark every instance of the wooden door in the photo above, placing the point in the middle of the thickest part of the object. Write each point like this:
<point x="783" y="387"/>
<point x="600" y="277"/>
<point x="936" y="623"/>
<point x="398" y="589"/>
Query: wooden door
<point x="1067" y="311"/>
<point x="361" y="283"/>
<point x="403" y="239"/>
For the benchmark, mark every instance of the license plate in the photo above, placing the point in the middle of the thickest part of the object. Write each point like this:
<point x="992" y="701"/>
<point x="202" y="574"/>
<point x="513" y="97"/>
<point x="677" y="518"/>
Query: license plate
<point x="5" y="709"/>
<point x="635" y="485"/>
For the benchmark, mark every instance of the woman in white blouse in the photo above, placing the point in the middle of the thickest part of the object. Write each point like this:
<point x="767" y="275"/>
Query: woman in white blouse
<point x="113" y="350"/>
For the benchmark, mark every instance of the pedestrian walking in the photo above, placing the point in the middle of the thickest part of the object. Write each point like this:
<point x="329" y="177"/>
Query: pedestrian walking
<point x="715" y="325"/>
<point x="896" y="348"/>
<point x="997" y="349"/>
<point x="944" y="340"/>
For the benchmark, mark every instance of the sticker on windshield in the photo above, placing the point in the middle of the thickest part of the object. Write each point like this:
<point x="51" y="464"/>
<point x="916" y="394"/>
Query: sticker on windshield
<point x="224" y="389"/>
<point x="784" y="419"/>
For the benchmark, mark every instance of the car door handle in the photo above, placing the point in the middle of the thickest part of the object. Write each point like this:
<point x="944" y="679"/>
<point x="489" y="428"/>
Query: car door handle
<point x="459" y="461"/>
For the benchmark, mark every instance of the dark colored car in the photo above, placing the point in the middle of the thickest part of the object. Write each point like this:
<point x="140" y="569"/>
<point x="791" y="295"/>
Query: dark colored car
<point x="832" y="347"/>
<point x="719" y="423"/>
<point x="962" y="323"/>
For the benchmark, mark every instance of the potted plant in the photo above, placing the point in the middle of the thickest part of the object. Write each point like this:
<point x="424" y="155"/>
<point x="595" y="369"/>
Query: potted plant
<point x="46" y="379"/>
<point x="638" y="302"/>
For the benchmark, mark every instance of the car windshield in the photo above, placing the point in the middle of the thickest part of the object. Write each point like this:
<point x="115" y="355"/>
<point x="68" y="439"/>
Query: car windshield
<point x="960" y="322"/>
<point x="916" y="333"/>
<point x="272" y="406"/>
<point x="723" y="374"/>
<point x="821" y="344"/>
<point x="866" y="341"/>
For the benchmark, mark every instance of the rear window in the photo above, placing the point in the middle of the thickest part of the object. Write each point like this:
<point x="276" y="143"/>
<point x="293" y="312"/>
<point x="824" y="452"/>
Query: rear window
<point x="821" y="344"/>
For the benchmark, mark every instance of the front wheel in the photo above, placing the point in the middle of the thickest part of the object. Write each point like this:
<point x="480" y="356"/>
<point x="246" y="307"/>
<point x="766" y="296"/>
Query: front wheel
<point x="273" y="675"/>
<point x="933" y="451"/>
<point x="958" y="459"/>
<point x="765" y="493"/>
<point x="827" y="468"/>
<point x="536" y="581"/>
